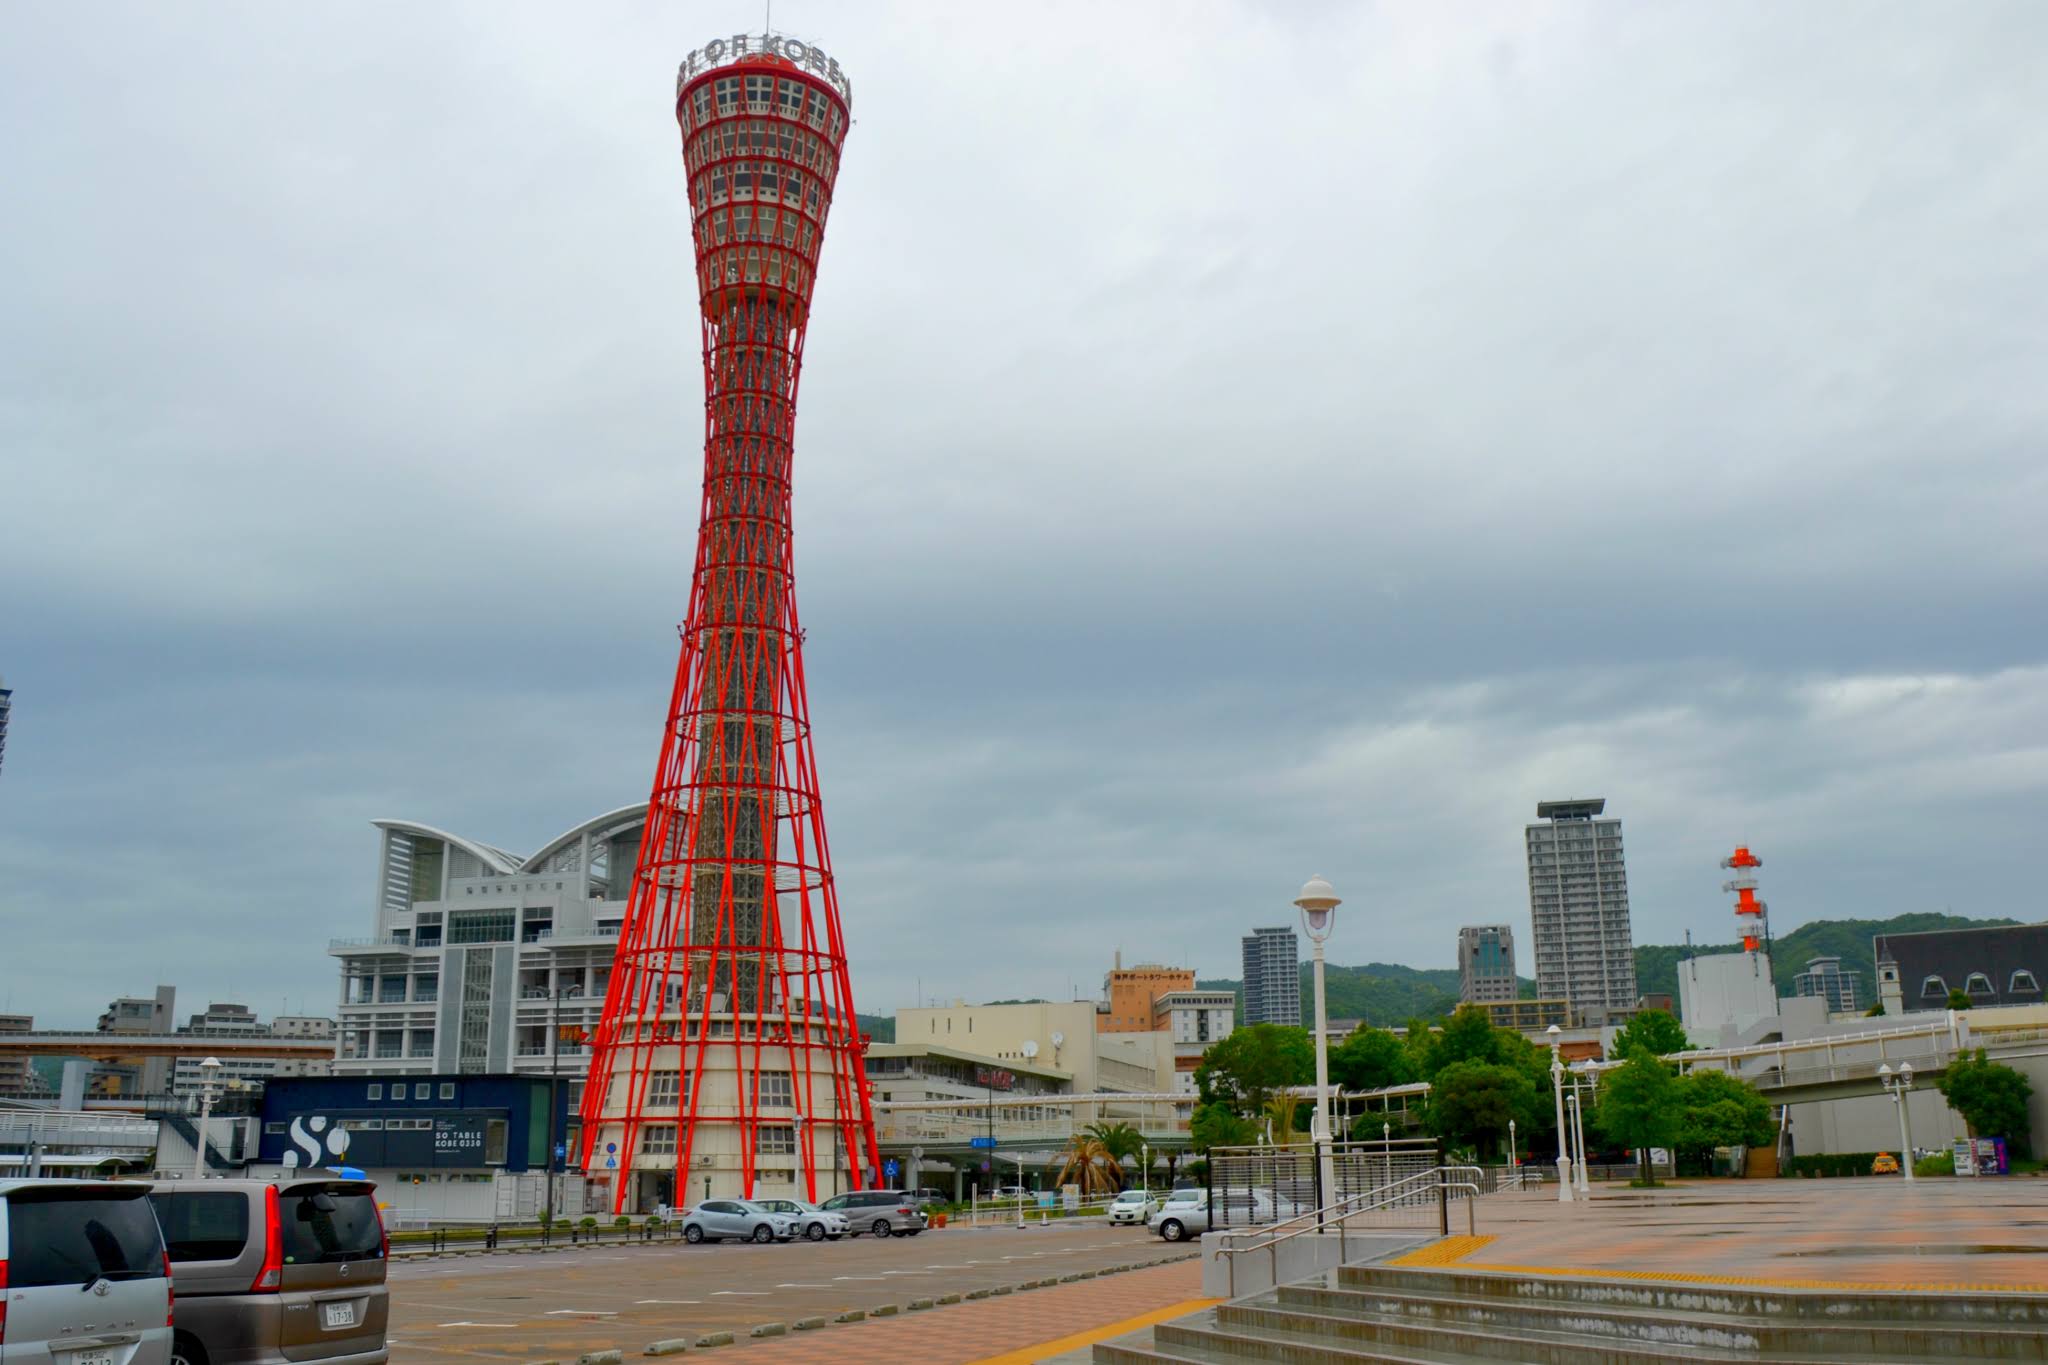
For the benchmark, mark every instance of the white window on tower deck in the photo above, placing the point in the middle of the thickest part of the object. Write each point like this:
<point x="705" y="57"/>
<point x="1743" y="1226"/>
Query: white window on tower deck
<point x="666" y="1088"/>
<point x="775" y="1089"/>
<point x="778" y="1139"/>
<point x="658" y="1139"/>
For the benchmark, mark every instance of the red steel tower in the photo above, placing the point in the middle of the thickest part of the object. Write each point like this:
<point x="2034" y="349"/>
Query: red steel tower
<point x="728" y="1057"/>
<point x="1749" y="911"/>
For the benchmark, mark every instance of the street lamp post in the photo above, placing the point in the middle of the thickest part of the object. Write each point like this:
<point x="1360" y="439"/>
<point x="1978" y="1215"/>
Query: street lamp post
<point x="208" y="1070"/>
<point x="1145" y="1170"/>
<point x="1514" y="1156"/>
<point x="1564" y="1163"/>
<point x="1318" y="902"/>
<point x="1386" y="1152"/>
<point x="1579" y="1134"/>
<point x="1898" y="1087"/>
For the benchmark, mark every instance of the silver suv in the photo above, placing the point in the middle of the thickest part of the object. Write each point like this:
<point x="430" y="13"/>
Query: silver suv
<point x="83" y="1276"/>
<point x="879" y="1211"/>
<point x="270" y="1272"/>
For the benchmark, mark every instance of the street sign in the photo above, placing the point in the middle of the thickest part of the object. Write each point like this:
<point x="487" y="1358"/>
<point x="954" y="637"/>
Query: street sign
<point x="984" y="1165"/>
<point x="889" y="1168"/>
<point x="561" y="1150"/>
<point x="611" y="1146"/>
<point x="981" y="1142"/>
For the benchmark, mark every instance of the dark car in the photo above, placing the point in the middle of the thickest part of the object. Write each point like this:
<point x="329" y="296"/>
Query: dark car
<point x="270" y="1272"/>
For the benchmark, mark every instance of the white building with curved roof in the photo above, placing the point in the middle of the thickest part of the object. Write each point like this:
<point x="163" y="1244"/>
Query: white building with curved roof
<point x="476" y="955"/>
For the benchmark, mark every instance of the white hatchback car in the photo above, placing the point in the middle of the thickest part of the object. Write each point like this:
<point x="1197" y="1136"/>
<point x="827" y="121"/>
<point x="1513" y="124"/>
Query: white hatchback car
<point x="1133" y="1206"/>
<point x="1184" y="1214"/>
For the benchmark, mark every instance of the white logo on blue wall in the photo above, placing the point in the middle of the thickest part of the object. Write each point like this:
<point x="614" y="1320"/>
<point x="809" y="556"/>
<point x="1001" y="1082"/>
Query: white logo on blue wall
<point x="309" y="1142"/>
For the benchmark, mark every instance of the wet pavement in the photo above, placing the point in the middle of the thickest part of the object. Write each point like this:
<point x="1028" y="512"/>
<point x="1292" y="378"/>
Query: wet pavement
<point x="1874" y="1232"/>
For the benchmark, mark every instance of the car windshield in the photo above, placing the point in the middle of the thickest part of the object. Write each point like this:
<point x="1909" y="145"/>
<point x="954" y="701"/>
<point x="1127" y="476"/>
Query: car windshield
<point x="67" y="1237"/>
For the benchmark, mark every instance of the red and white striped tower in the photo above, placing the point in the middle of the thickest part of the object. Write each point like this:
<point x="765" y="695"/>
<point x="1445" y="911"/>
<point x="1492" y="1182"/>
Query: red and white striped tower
<point x="1749" y="911"/>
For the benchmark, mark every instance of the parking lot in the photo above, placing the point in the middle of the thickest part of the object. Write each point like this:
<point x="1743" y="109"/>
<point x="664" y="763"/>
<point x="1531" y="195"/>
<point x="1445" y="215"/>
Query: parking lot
<point x="524" y="1306"/>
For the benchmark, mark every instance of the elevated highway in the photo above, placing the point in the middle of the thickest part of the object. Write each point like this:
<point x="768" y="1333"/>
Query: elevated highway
<point x="132" y="1047"/>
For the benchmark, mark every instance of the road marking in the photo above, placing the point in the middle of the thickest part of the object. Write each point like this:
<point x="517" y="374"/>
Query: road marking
<point x="582" y="1312"/>
<point x="638" y="1302"/>
<point x="906" y="1272"/>
<point x="945" y="1267"/>
<point x="479" y="1324"/>
<point x="740" y="1293"/>
<point x="803" y="1286"/>
<point x="856" y="1277"/>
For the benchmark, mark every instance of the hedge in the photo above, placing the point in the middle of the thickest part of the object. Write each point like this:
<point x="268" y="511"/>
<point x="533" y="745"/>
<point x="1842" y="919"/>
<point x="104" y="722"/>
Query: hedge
<point x="1830" y="1164"/>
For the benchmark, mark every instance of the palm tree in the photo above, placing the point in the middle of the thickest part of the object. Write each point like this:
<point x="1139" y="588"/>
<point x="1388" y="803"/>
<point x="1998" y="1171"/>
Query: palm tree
<point x="1122" y="1141"/>
<point x="1089" y="1164"/>
<point x="1281" y="1110"/>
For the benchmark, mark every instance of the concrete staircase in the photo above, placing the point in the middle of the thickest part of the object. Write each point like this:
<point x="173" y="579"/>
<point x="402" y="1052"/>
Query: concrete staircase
<point x="1375" y="1313"/>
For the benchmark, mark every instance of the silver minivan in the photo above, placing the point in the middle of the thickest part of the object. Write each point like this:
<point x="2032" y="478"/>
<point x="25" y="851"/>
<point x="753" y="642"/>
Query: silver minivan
<point x="280" y="1271"/>
<point x="83" y="1275"/>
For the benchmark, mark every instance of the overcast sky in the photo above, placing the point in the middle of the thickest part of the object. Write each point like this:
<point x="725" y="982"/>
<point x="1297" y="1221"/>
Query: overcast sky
<point x="1237" y="442"/>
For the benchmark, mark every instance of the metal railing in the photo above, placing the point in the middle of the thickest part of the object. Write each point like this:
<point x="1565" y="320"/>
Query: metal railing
<point x="1404" y="1192"/>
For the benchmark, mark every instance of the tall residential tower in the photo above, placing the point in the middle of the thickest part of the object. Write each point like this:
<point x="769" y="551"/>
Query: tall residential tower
<point x="728" y="1059"/>
<point x="1578" y="900"/>
<point x="1272" y="976"/>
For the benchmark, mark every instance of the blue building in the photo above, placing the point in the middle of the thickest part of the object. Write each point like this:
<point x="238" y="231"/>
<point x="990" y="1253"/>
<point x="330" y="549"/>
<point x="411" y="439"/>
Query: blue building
<point x="441" y="1148"/>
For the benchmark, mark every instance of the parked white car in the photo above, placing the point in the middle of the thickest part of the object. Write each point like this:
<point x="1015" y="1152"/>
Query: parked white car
<point x="1184" y="1214"/>
<point x="812" y="1223"/>
<point x="1133" y="1206"/>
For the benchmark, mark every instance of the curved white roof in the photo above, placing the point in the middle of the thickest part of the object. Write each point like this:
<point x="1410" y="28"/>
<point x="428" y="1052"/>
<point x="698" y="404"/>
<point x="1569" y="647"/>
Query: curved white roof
<point x="497" y="859"/>
<point x="622" y="816"/>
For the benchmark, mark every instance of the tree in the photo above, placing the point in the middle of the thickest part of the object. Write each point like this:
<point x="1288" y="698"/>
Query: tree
<point x="1991" y="1097"/>
<point x="1958" y="998"/>
<point x="1719" y="1110"/>
<point x="1874" y="1011"/>
<point x="1215" y="1125"/>
<point x="1120" y="1140"/>
<point x="1468" y="1036"/>
<point x="1472" y="1102"/>
<point x="1243" y="1070"/>
<point x="1088" y="1164"/>
<point x="1371" y="1058"/>
<point x="1652" y="1031"/>
<point x="1636" y="1109"/>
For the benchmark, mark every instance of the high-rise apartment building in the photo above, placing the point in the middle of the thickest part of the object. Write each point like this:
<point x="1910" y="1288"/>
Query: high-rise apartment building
<point x="6" y="708"/>
<point x="1486" y="964"/>
<point x="1272" y="977"/>
<point x="1578" y="900"/>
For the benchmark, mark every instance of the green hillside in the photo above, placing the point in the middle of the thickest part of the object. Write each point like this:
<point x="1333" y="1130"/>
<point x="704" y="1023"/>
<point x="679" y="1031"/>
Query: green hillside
<point x="1848" y="939"/>
<point x="1379" y="992"/>
<point x="880" y="1027"/>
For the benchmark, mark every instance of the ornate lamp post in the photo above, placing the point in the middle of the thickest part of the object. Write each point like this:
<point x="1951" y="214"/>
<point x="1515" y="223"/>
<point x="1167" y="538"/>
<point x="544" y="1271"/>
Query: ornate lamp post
<point x="1564" y="1162"/>
<point x="1898" y="1087"/>
<point x="208" y="1070"/>
<point x="1318" y="902"/>
<point x="1579" y="1132"/>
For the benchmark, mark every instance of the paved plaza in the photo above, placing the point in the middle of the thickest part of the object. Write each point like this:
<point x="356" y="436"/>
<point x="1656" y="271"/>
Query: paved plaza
<point x="528" y="1306"/>
<point x="1876" y="1232"/>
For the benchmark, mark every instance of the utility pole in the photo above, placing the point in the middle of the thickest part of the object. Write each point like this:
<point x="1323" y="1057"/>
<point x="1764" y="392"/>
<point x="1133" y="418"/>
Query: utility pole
<point x="554" y="1090"/>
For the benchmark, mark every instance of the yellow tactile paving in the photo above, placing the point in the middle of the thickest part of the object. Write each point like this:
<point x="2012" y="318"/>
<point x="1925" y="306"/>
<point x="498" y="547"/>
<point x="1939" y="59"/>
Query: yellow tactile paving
<point x="1443" y="1251"/>
<point x="1045" y="1350"/>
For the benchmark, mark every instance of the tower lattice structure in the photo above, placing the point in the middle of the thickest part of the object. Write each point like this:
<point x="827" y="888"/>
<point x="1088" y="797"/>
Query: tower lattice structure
<point x="728" y="1055"/>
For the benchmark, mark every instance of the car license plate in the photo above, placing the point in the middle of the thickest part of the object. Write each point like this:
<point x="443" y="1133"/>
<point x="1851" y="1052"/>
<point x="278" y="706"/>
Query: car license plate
<point x="92" y="1358"/>
<point x="338" y="1314"/>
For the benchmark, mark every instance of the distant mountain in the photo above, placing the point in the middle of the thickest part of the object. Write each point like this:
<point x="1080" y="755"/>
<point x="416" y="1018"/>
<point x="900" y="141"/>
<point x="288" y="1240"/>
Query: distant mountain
<point x="1379" y="992"/>
<point x="1848" y="939"/>
<point x="880" y="1027"/>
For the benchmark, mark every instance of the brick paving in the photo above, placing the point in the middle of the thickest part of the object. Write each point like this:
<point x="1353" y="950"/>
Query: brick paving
<point x="1875" y="1232"/>
<point x="1031" y="1326"/>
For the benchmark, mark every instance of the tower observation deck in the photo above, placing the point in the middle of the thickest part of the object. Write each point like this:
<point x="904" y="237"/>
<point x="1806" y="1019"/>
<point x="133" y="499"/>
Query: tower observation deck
<point x="728" y="1061"/>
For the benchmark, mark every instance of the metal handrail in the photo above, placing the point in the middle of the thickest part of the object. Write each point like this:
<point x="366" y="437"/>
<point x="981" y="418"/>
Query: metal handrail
<point x="1389" y="1194"/>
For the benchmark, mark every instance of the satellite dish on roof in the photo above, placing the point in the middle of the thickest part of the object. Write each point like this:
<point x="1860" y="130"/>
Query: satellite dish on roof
<point x="1030" y="1048"/>
<point x="1058" y="1039"/>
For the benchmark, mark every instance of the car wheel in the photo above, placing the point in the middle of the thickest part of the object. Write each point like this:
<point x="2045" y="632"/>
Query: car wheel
<point x="1172" y="1231"/>
<point x="764" y="1233"/>
<point x="815" y="1232"/>
<point x="186" y="1351"/>
<point x="880" y="1227"/>
<point x="693" y="1234"/>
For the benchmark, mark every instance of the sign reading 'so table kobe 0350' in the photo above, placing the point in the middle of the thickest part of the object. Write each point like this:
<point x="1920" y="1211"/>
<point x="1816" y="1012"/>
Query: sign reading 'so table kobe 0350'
<point x="725" y="51"/>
